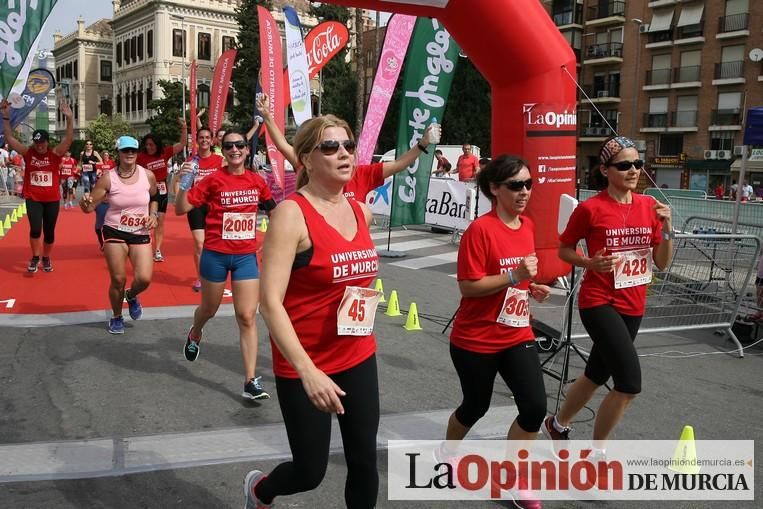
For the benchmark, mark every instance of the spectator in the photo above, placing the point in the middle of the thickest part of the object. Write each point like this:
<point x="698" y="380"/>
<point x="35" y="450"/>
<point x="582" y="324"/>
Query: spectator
<point x="4" y="156"/>
<point x="467" y="165"/>
<point x="733" y="191"/>
<point x="746" y="191"/>
<point x="719" y="191"/>
<point x="443" y="165"/>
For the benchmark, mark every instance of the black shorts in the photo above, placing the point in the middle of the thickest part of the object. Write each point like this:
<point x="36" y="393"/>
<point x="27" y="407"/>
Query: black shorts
<point x="197" y="217"/>
<point x="162" y="201"/>
<point x="113" y="235"/>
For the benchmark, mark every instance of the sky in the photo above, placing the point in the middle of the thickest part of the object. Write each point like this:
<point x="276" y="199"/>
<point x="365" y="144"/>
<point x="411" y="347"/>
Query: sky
<point x="65" y="14"/>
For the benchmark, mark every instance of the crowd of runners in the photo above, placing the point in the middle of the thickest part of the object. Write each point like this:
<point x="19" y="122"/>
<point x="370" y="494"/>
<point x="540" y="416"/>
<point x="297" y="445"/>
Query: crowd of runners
<point x="318" y="267"/>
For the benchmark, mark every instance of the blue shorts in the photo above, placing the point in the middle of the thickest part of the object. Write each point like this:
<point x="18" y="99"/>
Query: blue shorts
<point x="214" y="266"/>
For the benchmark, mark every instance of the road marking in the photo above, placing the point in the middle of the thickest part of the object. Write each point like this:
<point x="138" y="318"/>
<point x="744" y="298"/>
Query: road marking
<point x="108" y="457"/>
<point x="417" y="244"/>
<point x="395" y="235"/>
<point x="427" y="261"/>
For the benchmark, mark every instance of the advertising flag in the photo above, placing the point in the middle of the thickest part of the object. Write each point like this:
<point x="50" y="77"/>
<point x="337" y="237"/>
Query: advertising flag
<point x="272" y="82"/>
<point x="39" y="82"/>
<point x="429" y="71"/>
<point x="299" y="83"/>
<point x="220" y="86"/>
<point x="399" y="30"/>
<point x="192" y="98"/>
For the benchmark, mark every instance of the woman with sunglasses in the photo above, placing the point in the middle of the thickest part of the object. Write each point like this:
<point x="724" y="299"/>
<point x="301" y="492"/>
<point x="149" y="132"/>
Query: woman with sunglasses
<point x="624" y="233"/>
<point x="41" y="184"/>
<point x="491" y="332"/>
<point x="88" y="158"/>
<point x="366" y="177"/>
<point x="232" y="196"/>
<point x="153" y="156"/>
<point x="316" y="302"/>
<point x="132" y="213"/>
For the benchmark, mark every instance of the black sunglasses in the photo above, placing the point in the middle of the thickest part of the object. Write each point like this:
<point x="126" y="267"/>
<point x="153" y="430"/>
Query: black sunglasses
<point x="626" y="165"/>
<point x="129" y="150"/>
<point x="517" y="185"/>
<point x="239" y="144"/>
<point x="331" y="147"/>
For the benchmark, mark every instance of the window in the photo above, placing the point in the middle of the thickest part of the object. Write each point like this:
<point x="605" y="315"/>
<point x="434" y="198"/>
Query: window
<point x="722" y="140"/>
<point x="150" y="44"/>
<point x="75" y="66"/>
<point x="68" y="70"/>
<point x="133" y="49"/>
<point x="119" y="54"/>
<point x="178" y="43"/>
<point x="228" y="42"/>
<point x="732" y="63"/>
<point x="105" y="70"/>
<point x="140" y="99"/>
<point x="140" y="47"/>
<point x="671" y="144"/>
<point x="202" y="96"/>
<point x="127" y="101"/>
<point x="134" y="100"/>
<point x="127" y="51"/>
<point x="205" y="46"/>
<point x="105" y="106"/>
<point x="686" y="111"/>
<point x="149" y="97"/>
<point x="76" y="110"/>
<point x="119" y="103"/>
<point x="58" y="74"/>
<point x="658" y="112"/>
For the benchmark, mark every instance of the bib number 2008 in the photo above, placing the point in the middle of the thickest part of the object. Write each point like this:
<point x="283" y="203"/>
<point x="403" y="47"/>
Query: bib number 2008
<point x="239" y="226"/>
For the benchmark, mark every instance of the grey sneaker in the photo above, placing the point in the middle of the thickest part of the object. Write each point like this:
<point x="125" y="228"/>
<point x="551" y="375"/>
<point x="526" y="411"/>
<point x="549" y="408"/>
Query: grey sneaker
<point x="253" y="390"/>
<point x="250" y="482"/>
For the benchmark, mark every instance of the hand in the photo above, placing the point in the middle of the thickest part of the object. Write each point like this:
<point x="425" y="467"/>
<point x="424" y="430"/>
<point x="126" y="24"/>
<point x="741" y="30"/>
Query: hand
<point x="152" y="221"/>
<point x="5" y="108"/>
<point x="539" y="292"/>
<point x="186" y="167"/>
<point x="602" y="262"/>
<point x="86" y="203"/>
<point x="263" y="105"/>
<point x="323" y="392"/>
<point x="663" y="212"/>
<point x="431" y="133"/>
<point x="66" y="110"/>
<point x="527" y="268"/>
<point x="181" y="122"/>
<point x="200" y="112"/>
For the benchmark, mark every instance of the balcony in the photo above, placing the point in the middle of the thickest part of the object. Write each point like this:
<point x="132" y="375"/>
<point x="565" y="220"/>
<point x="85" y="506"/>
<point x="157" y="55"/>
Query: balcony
<point x="606" y="13"/>
<point x="569" y="17"/>
<point x="658" y="79"/>
<point x="726" y="117"/>
<point x="690" y="34"/>
<point x="656" y="120"/>
<point x="733" y="26"/>
<point x="729" y="73"/>
<point x="660" y="39"/>
<point x="603" y="92"/>
<point x="683" y="121"/>
<point x="686" y="77"/>
<point x="607" y="52"/>
<point x="595" y="131"/>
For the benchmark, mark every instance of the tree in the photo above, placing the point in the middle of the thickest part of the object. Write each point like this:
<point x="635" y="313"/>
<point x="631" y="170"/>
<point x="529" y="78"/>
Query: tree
<point x="167" y="110"/>
<point x="467" y="114"/>
<point x="104" y="131"/>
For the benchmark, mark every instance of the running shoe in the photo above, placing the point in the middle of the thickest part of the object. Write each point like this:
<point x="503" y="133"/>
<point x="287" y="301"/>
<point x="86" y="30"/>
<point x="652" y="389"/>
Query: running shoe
<point x="136" y="310"/>
<point x="253" y="390"/>
<point x="251" y="481"/>
<point x="116" y="325"/>
<point x="46" y="265"/>
<point x="523" y="499"/>
<point x="158" y="256"/>
<point x="196" y="285"/>
<point x="558" y="438"/>
<point x="191" y="348"/>
<point x="33" y="263"/>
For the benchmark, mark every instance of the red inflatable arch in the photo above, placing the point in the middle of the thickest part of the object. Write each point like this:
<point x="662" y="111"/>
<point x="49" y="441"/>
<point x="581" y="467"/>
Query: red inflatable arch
<point x="521" y="53"/>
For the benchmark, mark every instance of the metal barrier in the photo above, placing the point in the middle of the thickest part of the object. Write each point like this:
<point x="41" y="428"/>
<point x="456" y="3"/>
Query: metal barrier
<point x="712" y="225"/>
<point x="702" y="288"/>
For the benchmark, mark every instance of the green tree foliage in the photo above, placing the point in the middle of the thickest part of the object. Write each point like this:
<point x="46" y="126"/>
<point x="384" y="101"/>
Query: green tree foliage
<point x="467" y="114"/>
<point x="104" y="130"/>
<point x="166" y="111"/>
<point x="246" y="71"/>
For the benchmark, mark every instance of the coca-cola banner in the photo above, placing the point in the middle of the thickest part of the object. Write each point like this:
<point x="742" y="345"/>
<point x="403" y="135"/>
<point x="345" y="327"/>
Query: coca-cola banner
<point x="321" y="44"/>
<point x="271" y="57"/>
<point x="220" y="85"/>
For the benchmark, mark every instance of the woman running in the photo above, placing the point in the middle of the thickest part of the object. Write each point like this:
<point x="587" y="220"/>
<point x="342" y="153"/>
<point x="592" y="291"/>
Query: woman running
<point x="232" y="196"/>
<point x="68" y="171"/>
<point x="625" y="231"/>
<point x="154" y="156"/>
<point x="132" y="213"/>
<point x="42" y="184"/>
<point x="88" y="158"/>
<point x="316" y="302"/>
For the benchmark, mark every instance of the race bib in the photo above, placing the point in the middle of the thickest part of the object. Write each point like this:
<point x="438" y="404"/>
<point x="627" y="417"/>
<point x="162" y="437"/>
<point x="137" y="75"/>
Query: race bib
<point x="131" y="223"/>
<point x="634" y="268"/>
<point x="161" y="187"/>
<point x="516" y="308"/>
<point x="357" y="311"/>
<point x="87" y="167"/>
<point x="239" y="225"/>
<point x="41" y="178"/>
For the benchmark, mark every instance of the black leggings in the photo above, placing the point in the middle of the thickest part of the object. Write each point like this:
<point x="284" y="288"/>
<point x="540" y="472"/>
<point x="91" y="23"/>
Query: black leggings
<point x="42" y="219"/>
<point x="519" y="367"/>
<point x="309" y="432"/>
<point x="613" y="353"/>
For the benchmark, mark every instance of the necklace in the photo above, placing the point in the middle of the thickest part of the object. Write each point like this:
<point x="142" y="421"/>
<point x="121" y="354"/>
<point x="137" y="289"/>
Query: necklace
<point x="125" y="177"/>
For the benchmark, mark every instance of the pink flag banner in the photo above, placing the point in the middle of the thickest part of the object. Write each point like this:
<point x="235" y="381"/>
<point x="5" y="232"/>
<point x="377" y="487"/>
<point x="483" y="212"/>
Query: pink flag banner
<point x="399" y="30"/>
<point x="192" y="98"/>
<point x="220" y="86"/>
<point x="271" y="58"/>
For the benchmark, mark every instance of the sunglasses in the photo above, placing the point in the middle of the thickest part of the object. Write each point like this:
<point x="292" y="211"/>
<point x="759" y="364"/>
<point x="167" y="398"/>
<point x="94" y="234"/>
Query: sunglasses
<point x="517" y="185"/>
<point x="240" y="144"/>
<point x="331" y="147"/>
<point x="128" y="150"/>
<point x="626" y="165"/>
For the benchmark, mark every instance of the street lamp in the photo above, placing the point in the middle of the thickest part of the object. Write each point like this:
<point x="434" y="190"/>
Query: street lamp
<point x="182" y="69"/>
<point x="638" y="22"/>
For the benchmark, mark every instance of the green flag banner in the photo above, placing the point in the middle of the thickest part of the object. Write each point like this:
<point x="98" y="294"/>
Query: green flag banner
<point x="21" y="22"/>
<point x="429" y="71"/>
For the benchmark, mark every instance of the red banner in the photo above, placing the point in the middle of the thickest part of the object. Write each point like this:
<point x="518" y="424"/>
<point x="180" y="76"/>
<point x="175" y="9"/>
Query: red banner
<point x="271" y="58"/>
<point x="220" y="85"/>
<point x="322" y="43"/>
<point x="192" y="98"/>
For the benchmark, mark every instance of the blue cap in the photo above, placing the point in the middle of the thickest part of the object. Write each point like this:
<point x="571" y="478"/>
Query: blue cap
<point x="127" y="142"/>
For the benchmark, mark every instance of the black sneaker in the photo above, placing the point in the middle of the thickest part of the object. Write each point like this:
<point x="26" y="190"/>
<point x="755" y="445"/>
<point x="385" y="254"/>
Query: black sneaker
<point x="191" y="348"/>
<point x="33" y="263"/>
<point x="46" y="265"/>
<point x="253" y="390"/>
<point x="559" y="438"/>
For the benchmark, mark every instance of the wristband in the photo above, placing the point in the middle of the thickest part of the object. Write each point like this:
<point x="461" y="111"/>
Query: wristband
<point x="511" y="278"/>
<point x="422" y="148"/>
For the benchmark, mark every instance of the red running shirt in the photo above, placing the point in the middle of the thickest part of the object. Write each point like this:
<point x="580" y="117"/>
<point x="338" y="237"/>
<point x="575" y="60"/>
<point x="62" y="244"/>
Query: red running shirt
<point x="42" y="180"/>
<point x="208" y="165"/>
<point x="68" y="167"/>
<point x="489" y="247"/>
<point x="605" y="223"/>
<point x="366" y="178"/>
<point x="157" y="164"/>
<point x="231" y="223"/>
<point x="316" y="290"/>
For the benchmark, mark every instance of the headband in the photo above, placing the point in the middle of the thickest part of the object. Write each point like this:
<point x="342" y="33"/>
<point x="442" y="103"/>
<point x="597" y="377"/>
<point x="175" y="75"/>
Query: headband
<point x="612" y="147"/>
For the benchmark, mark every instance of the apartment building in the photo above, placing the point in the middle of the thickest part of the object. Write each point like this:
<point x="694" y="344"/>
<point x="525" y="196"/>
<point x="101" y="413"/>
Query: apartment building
<point x="676" y="76"/>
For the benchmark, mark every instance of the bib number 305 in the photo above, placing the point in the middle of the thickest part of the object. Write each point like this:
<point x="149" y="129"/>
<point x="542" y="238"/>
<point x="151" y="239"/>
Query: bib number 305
<point x="357" y="311"/>
<point x="516" y="308"/>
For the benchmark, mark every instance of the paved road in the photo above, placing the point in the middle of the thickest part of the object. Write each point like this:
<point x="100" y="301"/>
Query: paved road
<point x="74" y="398"/>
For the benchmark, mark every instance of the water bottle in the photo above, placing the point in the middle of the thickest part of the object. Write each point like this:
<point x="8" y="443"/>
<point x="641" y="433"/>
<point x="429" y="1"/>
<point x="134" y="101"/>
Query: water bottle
<point x="186" y="180"/>
<point x="436" y="131"/>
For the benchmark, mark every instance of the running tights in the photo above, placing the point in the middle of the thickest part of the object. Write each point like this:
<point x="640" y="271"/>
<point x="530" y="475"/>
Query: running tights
<point x="613" y="353"/>
<point x="42" y="219"/>
<point x="309" y="432"/>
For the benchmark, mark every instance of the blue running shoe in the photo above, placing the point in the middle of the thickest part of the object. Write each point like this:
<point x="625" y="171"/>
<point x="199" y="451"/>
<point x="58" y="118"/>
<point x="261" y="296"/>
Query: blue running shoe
<point x="136" y="310"/>
<point x="116" y="325"/>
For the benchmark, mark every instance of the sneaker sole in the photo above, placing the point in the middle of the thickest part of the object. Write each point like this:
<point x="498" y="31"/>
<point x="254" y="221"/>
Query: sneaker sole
<point x="116" y="331"/>
<point x="249" y="397"/>
<point x="47" y="270"/>
<point x="247" y="480"/>
<point x="31" y="271"/>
